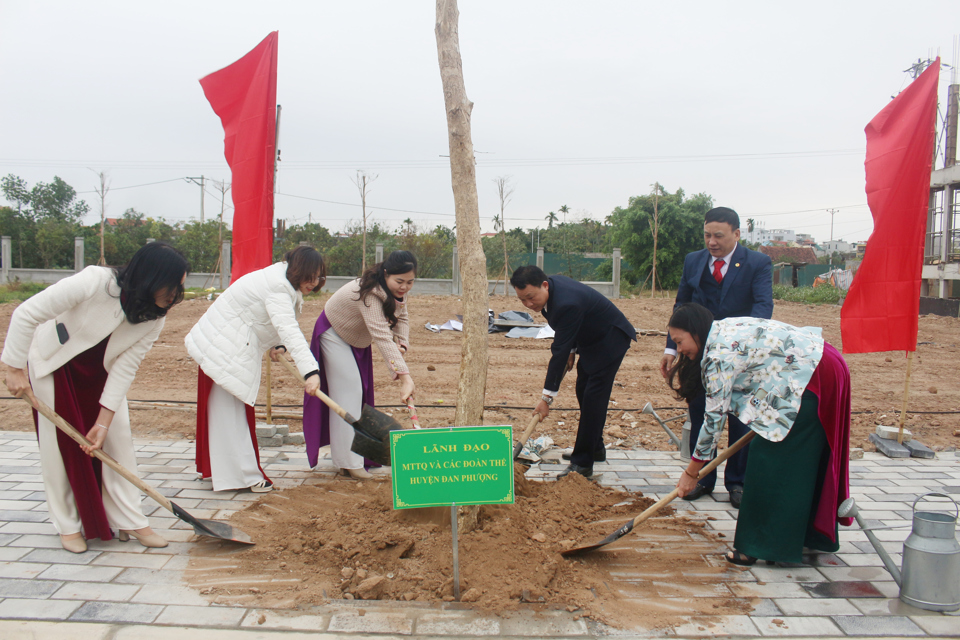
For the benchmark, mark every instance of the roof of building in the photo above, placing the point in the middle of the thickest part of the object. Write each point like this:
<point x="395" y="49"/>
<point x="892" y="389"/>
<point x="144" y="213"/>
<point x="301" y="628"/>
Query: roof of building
<point x="790" y="254"/>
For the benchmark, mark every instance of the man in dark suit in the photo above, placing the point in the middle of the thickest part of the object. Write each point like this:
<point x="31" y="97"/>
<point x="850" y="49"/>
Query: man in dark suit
<point x="731" y="281"/>
<point x="588" y="324"/>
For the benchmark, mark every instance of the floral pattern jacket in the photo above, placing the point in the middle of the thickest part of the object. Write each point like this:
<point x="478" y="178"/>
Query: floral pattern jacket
<point x="756" y="369"/>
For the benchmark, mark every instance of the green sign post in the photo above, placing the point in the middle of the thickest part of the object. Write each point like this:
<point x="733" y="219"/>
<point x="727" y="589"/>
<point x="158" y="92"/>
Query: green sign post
<point x="454" y="466"/>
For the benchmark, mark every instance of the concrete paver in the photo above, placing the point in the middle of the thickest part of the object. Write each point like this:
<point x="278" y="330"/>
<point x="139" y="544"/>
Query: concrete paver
<point x="125" y="591"/>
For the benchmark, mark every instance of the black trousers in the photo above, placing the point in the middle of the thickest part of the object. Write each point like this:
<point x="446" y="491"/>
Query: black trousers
<point x="594" y="384"/>
<point x="736" y="469"/>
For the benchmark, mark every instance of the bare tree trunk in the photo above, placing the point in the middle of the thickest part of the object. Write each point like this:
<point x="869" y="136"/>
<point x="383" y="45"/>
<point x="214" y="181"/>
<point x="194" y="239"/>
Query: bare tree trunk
<point x="655" y="228"/>
<point x="473" y="355"/>
<point x="102" y="192"/>
<point x="363" y="181"/>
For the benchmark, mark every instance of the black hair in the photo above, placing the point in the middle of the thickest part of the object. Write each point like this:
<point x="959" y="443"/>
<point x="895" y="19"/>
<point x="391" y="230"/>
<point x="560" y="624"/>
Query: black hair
<point x="154" y="268"/>
<point x="723" y="214"/>
<point x="695" y="320"/>
<point x="303" y="263"/>
<point x="396" y="262"/>
<point x="528" y="275"/>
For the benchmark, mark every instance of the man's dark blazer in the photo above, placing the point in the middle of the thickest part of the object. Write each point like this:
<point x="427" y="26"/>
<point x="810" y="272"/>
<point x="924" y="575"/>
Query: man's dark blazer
<point x="746" y="290"/>
<point x="582" y="319"/>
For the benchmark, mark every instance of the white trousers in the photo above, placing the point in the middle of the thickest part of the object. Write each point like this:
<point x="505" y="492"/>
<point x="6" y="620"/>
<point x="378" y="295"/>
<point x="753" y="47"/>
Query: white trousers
<point x="233" y="459"/>
<point x="346" y="389"/>
<point x="121" y="499"/>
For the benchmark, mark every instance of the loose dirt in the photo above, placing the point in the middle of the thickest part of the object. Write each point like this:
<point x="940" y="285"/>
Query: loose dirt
<point x="517" y="367"/>
<point x="343" y="540"/>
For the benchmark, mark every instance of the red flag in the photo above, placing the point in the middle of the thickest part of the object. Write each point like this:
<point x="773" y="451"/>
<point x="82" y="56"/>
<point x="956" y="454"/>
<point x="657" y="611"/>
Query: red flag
<point x="882" y="308"/>
<point x="244" y="95"/>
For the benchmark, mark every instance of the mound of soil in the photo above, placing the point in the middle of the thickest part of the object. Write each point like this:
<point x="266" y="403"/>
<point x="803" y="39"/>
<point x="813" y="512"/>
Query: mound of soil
<point x="343" y="540"/>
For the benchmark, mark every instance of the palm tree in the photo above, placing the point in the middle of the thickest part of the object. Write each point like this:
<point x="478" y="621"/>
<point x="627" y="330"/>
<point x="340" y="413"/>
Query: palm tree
<point x="551" y="218"/>
<point x="750" y="225"/>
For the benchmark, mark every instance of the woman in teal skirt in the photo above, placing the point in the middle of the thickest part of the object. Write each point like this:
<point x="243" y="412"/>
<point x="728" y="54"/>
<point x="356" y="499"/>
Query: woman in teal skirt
<point x="793" y="390"/>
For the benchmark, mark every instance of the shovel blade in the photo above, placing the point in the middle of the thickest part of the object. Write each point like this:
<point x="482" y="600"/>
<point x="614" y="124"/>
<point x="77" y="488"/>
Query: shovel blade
<point x="376" y="425"/>
<point x="613" y="537"/>
<point x="375" y="450"/>
<point x="212" y="528"/>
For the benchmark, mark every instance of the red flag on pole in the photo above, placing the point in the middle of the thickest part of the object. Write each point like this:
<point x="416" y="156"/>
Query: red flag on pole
<point x="882" y="308"/>
<point x="244" y="95"/>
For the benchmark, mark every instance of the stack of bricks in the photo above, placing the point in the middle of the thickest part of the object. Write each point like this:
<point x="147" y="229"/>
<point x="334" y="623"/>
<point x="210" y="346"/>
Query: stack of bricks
<point x="275" y="435"/>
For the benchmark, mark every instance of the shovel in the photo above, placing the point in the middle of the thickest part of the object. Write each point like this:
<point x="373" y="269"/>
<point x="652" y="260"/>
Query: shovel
<point x="517" y="448"/>
<point x="371" y="437"/>
<point x="628" y="526"/>
<point x="211" y="528"/>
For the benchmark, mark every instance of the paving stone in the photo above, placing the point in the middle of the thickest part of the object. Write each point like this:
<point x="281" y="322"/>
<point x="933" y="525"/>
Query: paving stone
<point x="817" y="607"/>
<point x="22" y="569"/>
<point x="886" y="626"/>
<point x="171" y="594"/>
<point x="41" y="528"/>
<point x="117" y="612"/>
<point x="889" y="448"/>
<point x="449" y="625"/>
<point x="777" y="574"/>
<point x="149" y="577"/>
<point x="39" y="610"/>
<point x="938" y="625"/>
<point x="286" y="620"/>
<point x="769" y="590"/>
<point x="372" y="622"/>
<point x="871" y="574"/>
<point x="719" y="626"/>
<point x="15" y="588"/>
<point x="202" y="616"/>
<point x="7" y="515"/>
<point x="892" y="606"/>
<point x="10" y="554"/>
<point x="845" y="589"/>
<point x="95" y="591"/>
<point x="138" y="560"/>
<point x="80" y="573"/>
<point x="31" y="540"/>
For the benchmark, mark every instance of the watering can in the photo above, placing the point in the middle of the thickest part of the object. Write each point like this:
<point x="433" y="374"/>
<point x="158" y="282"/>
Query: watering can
<point x="930" y="578"/>
<point x="683" y="442"/>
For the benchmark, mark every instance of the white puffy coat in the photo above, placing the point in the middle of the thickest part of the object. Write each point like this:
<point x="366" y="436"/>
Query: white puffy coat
<point x="256" y="313"/>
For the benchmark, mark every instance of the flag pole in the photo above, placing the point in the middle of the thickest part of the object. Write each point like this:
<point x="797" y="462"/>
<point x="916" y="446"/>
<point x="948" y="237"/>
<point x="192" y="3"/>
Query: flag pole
<point x="906" y="393"/>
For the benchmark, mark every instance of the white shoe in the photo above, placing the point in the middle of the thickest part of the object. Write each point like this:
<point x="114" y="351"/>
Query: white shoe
<point x="262" y="487"/>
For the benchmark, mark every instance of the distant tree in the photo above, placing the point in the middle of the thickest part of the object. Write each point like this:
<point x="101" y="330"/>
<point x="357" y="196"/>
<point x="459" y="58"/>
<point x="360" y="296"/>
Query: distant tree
<point x="198" y="242"/>
<point x="313" y="233"/>
<point x="551" y="218"/>
<point x="363" y="180"/>
<point x="20" y="224"/>
<point x="681" y="232"/>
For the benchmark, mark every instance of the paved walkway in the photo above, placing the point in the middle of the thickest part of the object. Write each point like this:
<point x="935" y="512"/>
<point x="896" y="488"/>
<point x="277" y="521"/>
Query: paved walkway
<point x="124" y="591"/>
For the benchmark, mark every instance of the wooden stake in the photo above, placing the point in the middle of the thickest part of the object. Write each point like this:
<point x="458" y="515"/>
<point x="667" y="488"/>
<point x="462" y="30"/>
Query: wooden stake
<point x="906" y="393"/>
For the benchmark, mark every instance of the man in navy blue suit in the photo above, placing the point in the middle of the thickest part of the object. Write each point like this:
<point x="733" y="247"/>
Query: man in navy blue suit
<point x="584" y="323"/>
<point x="731" y="281"/>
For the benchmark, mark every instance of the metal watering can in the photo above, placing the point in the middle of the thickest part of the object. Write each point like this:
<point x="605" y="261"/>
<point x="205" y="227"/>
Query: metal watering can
<point x="930" y="578"/>
<point x="683" y="442"/>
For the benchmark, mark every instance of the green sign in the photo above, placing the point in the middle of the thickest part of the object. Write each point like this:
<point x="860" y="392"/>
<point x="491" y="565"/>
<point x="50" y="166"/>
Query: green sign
<point x="454" y="466"/>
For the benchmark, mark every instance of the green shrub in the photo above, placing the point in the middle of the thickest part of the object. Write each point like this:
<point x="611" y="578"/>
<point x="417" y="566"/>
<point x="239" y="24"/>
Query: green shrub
<point x="824" y="294"/>
<point x="19" y="291"/>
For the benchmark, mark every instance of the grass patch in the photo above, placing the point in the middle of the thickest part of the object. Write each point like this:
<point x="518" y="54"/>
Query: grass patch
<point x="19" y="291"/>
<point x="824" y="294"/>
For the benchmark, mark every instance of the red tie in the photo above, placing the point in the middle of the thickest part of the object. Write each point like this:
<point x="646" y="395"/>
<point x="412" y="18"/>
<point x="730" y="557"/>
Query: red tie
<point x="717" y="274"/>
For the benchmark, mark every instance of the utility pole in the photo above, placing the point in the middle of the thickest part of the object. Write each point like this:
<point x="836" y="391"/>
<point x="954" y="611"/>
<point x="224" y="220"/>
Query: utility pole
<point x="194" y="181"/>
<point x="831" y="212"/>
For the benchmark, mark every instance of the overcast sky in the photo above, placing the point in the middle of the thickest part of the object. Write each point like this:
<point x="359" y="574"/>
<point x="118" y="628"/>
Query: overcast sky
<point x="760" y="104"/>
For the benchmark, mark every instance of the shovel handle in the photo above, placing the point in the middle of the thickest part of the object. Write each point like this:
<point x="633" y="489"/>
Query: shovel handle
<point x="664" y="501"/>
<point x="340" y="411"/>
<point x="534" y="421"/>
<point x="413" y="413"/>
<point x="51" y="415"/>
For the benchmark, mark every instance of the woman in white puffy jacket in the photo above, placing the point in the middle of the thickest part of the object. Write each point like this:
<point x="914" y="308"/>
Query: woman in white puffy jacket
<point x="257" y="313"/>
<point x="83" y="339"/>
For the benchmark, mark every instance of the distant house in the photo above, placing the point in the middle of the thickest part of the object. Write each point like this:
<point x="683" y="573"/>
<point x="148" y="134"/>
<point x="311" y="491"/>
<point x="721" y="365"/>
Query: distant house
<point x="790" y="254"/>
<point x="488" y="235"/>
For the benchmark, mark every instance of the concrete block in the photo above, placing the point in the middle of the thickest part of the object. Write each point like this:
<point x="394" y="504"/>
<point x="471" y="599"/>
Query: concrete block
<point x="293" y="438"/>
<point x="878" y="626"/>
<point x="265" y="430"/>
<point x="282" y="429"/>
<point x="117" y="612"/>
<point x="372" y="622"/>
<point x="918" y="449"/>
<point x="274" y="441"/>
<point x="38" y="609"/>
<point x="856" y="453"/>
<point x="892" y="433"/>
<point x="889" y="448"/>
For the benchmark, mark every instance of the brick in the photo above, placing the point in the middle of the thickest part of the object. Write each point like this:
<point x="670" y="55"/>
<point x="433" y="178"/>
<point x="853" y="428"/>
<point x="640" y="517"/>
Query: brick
<point x="93" y="591"/>
<point x="117" y="612"/>
<point x="856" y="453"/>
<point x="133" y="560"/>
<point x="170" y="594"/>
<point x="274" y="441"/>
<point x="372" y="622"/>
<point x="39" y="610"/>
<point x="287" y="620"/>
<point x="919" y="450"/>
<point x="61" y="556"/>
<point x="293" y="438"/>
<point x="892" y="433"/>
<point x="816" y="607"/>
<point x="878" y="626"/>
<point x="796" y="626"/>
<point x="14" y="588"/>
<point x="889" y="448"/>
<point x="456" y="625"/>
<point x="22" y="569"/>
<point x="265" y="430"/>
<point x="202" y="616"/>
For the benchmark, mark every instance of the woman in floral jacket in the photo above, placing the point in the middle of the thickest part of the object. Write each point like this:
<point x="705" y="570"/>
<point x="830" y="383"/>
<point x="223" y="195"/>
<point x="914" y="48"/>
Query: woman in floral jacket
<point x="793" y="390"/>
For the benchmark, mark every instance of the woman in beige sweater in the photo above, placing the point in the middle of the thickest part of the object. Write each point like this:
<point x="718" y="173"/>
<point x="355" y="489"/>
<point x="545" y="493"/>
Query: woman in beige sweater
<point x="371" y="309"/>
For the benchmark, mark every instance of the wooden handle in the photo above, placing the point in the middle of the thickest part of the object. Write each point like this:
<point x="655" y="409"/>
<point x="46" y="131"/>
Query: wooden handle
<point x="64" y="426"/>
<point x="340" y="411"/>
<point x="729" y="451"/>
<point x="534" y="421"/>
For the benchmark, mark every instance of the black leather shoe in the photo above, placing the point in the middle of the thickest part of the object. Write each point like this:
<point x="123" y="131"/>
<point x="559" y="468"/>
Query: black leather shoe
<point x="586" y="472"/>
<point x="599" y="456"/>
<point x="736" y="495"/>
<point x="698" y="492"/>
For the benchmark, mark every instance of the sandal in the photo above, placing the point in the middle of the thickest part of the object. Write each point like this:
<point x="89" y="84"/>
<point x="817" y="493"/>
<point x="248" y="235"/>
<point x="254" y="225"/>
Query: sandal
<point x="741" y="559"/>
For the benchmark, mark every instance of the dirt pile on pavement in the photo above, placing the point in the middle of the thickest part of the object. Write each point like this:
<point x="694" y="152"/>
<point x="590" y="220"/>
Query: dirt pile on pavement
<point x="343" y="540"/>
